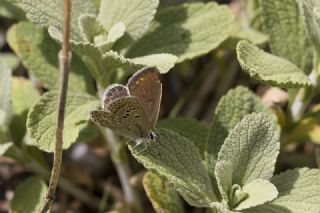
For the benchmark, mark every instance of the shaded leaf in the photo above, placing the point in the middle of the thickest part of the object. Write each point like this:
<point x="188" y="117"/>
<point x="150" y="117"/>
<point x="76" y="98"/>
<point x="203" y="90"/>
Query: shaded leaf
<point x="24" y="95"/>
<point x="34" y="189"/>
<point x="175" y="158"/>
<point x="41" y="119"/>
<point x="241" y="33"/>
<point x="9" y="10"/>
<point x="284" y="25"/>
<point x="39" y="53"/>
<point x="186" y="30"/>
<point x="190" y="128"/>
<point x="310" y="10"/>
<point x="4" y="146"/>
<point x="299" y="191"/>
<point x="49" y="13"/>
<point x="5" y="94"/>
<point x="268" y="68"/>
<point x="135" y="15"/>
<point x="162" y="196"/>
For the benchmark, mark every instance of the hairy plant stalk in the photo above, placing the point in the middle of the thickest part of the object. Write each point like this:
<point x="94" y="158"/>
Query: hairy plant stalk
<point x="120" y="161"/>
<point x="305" y="95"/>
<point x="64" y="75"/>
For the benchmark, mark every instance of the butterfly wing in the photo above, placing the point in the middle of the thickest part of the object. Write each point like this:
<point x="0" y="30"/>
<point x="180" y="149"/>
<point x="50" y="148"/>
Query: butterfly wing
<point x="146" y="86"/>
<point x="112" y="93"/>
<point x="126" y="116"/>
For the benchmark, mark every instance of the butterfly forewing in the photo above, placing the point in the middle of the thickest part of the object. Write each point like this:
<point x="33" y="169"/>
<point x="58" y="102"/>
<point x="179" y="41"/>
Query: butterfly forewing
<point x="126" y="116"/>
<point x="146" y="86"/>
<point x="112" y="93"/>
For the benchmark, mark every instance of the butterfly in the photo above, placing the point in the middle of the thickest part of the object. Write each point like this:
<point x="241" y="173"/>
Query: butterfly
<point x="132" y="110"/>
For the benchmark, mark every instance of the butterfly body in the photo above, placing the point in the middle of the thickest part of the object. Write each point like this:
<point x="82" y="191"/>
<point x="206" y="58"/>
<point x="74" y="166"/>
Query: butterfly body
<point x="132" y="110"/>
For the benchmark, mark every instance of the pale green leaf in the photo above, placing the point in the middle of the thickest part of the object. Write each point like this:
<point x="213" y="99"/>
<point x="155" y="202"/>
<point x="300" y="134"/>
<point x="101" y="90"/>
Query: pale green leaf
<point x="42" y="118"/>
<point x="135" y="15"/>
<point x="9" y="59"/>
<point x="91" y="56"/>
<point x="24" y="95"/>
<point x="231" y="109"/>
<point x="299" y="191"/>
<point x="5" y="94"/>
<point x="259" y="191"/>
<point x="164" y="62"/>
<point x="310" y="10"/>
<point x="269" y="68"/>
<point x="287" y="36"/>
<point x="114" y="34"/>
<point x="28" y="196"/>
<point x="175" y="158"/>
<point x="9" y="10"/>
<point x="49" y="13"/>
<point x="112" y="60"/>
<point x="190" y="128"/>
<point x="90" y="27"/>
<point x="162" y="195"/>
<point x="245" y="33"/>
<point x="4" y="147"/>
<point x="186" y="30"/>
<point x="223" y="174"/>
<point x="252" y="148"/>
<point x="39" y="53"/>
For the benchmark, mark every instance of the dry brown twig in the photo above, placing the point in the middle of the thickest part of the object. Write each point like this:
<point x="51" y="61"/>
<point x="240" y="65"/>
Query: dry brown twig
<point x="64" y="75"/>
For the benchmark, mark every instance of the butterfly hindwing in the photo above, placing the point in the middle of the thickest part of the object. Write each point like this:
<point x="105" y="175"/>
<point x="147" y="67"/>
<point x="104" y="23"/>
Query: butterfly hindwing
<point x="112" y="93"/>
<point x="146" y="86"/>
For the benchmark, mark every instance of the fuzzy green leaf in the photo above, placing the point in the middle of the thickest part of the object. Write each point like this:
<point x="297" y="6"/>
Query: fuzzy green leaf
<point x="310" y="10"/>
<point x="39" y="53"/>
<point x="190" y="128"/>
<point x="187" y="31"/>
<point x="175" y="158"/>
<point x="28" y="196"/>
<point x="223" y="174"/>
<point x="269" y="68"/>
<point x="259" y="191"/>
<point x="284" y="25"/>
<point x="299" y="191"/>
<point x="164" y="62"/>
<point x="5" y="94"/>
<point x="252" y="148"/>
<point x="49" y="13"/>
<point x="136" y="15"/>
<point x="232" y="108"/>
<point x="101" y="66"/>
<point x="4" y="147"/>
<point x="162" y="196"/>
<point x="41" y="119"/>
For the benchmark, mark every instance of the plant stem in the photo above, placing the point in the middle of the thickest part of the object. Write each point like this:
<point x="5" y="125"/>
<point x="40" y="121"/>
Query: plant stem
<point x="306" y="94"/>
<point x="120" y="161"/>
<point x="64" y="75"/>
